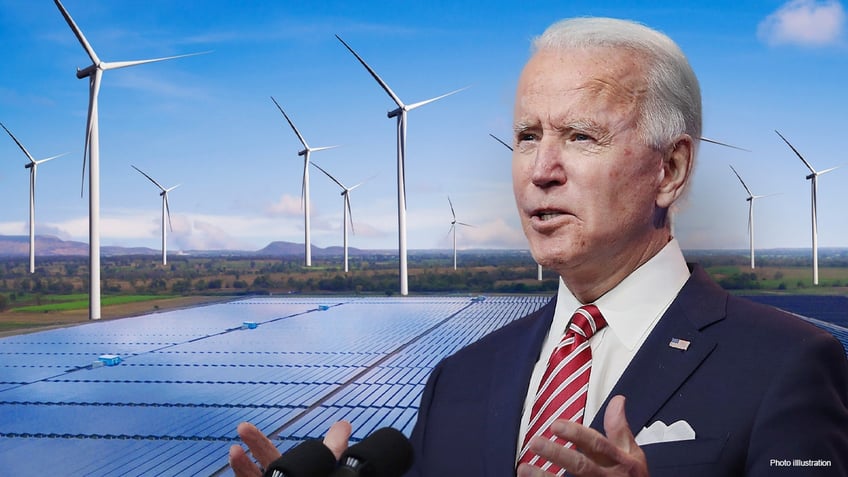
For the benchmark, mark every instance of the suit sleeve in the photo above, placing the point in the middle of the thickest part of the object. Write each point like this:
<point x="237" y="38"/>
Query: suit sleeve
<point x="418" y="431"/>
<point x="803" y="418"/>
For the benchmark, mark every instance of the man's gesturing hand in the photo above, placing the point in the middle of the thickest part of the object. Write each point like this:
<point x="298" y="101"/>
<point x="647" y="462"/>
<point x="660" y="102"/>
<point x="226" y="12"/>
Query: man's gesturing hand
<point x="593" y="455"/>
<point x="265" y="452"/>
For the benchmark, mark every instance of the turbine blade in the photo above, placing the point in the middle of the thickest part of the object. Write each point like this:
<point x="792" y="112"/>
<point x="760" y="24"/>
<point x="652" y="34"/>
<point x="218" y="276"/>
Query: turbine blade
<point x="113" y="65"/>
<point x="323" y="148"/>
<point x="363" y="182"/>
<point x="349" y="211"/>
<point x="93" y="91"/>
<point x="71" y="23"/>
<point x="451" y="207"/>
<point x="172" y="188"/>
<point x="330" y="176"/>
<point x="501" y="141"/>
<point x="828" y="170"/>
<point x="168" y="211"/>
<point x="150" y="178"/>
<point x="713" y="141"/>
<point x="28" y="155"/>
<point x="50" y="158"/>
<point x="374" y="75"/>
<point x="750" y="194"/>
<point x="463" y="223"/>
<point x="299" y="136"/>
<point x="428" y="101"/>
<point x="450" y="230"/>
<point x="796" y="152"/>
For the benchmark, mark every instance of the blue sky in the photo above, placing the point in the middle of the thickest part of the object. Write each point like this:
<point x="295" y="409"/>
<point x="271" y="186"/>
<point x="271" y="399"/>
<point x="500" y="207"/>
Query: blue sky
<point x="208" y="123"/>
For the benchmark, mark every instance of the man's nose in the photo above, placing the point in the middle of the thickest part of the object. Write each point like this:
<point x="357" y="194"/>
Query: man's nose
<point x="548" y="167"/>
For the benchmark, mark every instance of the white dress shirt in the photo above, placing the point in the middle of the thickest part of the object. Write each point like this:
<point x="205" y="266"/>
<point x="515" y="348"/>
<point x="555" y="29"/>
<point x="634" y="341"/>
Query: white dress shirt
<point x="631" y="310"/>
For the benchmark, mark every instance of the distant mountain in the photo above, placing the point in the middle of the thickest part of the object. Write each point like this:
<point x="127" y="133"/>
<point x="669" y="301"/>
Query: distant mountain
<point x="51" y="246"/>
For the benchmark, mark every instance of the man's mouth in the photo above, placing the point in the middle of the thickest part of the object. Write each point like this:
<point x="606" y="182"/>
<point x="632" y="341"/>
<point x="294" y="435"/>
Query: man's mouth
<point x="545" y="216"/>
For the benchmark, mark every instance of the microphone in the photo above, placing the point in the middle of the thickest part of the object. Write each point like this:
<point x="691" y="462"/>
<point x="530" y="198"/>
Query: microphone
<point x="310" y="458"/>
<point x="385" y="453"/>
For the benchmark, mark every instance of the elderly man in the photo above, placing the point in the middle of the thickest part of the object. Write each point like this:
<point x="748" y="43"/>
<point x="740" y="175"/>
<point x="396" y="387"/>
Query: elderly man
<point x="607" y="120"/>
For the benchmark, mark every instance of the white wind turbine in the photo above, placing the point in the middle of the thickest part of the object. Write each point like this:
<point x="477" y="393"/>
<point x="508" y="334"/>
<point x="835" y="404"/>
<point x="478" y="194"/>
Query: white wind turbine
<point x="454" y="223"/>
<point x="94" y="73"/>
<point x="347" y="215"/>
<point x="166" y="212"/>
<point x="813" y="178"/>
<point x="307" y="241"/>
<point x="750" y="199"/>
<point x="538" y="267"/>
<point x="400" y="114"/>
<point x="32" y="165"/>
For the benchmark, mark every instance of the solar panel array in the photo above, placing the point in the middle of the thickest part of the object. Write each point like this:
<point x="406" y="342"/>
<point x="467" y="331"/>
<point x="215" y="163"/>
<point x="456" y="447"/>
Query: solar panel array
<point x="188" y="377"/>
<point x="290" y="365"/>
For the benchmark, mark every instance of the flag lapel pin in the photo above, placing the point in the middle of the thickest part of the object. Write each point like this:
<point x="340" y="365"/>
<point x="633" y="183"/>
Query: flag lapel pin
<point x="678" y="343"/>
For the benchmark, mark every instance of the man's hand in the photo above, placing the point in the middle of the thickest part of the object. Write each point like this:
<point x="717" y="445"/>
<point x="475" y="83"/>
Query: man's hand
<point x="596" y="455"/>
<point x="265" y="452"/>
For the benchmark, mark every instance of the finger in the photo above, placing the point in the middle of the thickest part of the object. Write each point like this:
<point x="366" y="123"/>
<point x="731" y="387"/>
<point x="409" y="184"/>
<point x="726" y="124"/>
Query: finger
<point x="568" y="458"/>
<point x="241" y="463"/>
<point x="260" y="446"/>
<point x="616" y="426"/>
<point x="594" y="449"/>
<point x="527" y="470"/>
<point x="337" y="437"/>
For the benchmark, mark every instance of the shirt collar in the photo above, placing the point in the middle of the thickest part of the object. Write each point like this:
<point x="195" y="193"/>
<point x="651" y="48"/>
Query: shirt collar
<point x="634" y="305"/>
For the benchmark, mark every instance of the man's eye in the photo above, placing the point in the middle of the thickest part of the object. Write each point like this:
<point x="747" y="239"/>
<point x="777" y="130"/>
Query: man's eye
<point x="582" y="137"/>
<point x="523" y="137"/>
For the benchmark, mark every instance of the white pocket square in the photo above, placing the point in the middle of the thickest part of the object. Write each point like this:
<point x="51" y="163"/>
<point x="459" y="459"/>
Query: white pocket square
<point x="660" y="432"/>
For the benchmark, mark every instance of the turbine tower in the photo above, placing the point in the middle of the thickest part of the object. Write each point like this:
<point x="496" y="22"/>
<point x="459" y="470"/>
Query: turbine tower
<point x="304" y="197"/>
<point x="454" y="223"/>
<point x="750" y="199"/>
<point x="94" y="73"/>
<point x="347" y="214"/>
<point x="32" y="165"/>
<point x="400" y="113"/>
<point x="813" y="178"/>
<point x="166" y="211"/>
<point x="538" y="267"/>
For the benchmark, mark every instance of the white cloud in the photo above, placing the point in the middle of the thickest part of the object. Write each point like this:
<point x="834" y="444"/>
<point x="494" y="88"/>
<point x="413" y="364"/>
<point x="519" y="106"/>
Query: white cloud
<point x="287" y="206"/>
<point x="495" y="234"/>
<point x="804" y="22"/>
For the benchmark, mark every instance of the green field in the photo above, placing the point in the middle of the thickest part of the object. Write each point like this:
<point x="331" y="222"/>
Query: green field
<point x="80" y="302"/>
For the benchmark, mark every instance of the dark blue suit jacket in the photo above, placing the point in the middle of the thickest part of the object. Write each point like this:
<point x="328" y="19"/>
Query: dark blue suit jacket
<point x="759" y="387"/>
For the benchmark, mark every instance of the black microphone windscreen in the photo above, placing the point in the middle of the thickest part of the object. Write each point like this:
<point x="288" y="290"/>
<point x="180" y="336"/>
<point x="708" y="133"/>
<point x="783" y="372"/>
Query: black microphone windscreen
<point x="310" y="458"/>
<point x="385" y="453"/>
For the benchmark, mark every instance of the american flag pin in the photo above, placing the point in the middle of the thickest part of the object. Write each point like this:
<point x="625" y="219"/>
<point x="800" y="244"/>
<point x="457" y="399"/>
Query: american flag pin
<point x="678" y="343"/>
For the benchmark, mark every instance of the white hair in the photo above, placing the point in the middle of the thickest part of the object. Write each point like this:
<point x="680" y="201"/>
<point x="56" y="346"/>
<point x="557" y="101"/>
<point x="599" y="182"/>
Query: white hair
<point x="672" y="105"/>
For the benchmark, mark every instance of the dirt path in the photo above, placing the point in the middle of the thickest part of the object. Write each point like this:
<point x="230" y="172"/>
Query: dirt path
<point x="18" y="323"/>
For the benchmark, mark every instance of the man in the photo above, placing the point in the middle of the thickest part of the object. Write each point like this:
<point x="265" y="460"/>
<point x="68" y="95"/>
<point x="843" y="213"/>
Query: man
<point x="607" y="119"/>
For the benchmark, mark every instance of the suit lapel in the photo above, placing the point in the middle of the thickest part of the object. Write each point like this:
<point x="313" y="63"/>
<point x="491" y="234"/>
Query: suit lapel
<point x="658" y="370"/>
<point x="509" y="376"/>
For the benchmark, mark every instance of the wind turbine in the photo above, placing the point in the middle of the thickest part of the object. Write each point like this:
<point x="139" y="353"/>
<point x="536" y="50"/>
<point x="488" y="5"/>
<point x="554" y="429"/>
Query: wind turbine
<point x="538" y="267"/>
<point x="347" y="213"/>
<point x="813" y="178"/>
<point x="750" y="199"/>
<point x="33" y="168"/>
<point x="400" y="113"/>
<point x="94" y="73"/>
<point x="166" y="211"/>
<point x="454" y="223"/>
<point x="307" y="243"/>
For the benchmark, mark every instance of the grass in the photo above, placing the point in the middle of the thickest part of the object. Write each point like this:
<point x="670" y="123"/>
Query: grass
<point x="80" y="302"/>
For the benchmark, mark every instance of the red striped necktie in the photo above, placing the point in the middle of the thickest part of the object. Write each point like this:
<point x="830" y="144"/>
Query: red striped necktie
<point x="562" y="391"/>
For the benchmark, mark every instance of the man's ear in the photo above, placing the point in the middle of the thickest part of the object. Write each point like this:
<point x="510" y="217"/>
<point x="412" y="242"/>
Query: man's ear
<point x="677" y="166"/>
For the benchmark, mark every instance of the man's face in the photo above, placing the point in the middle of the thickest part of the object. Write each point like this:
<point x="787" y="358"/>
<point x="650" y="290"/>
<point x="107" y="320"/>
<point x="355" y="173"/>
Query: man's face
<point x="584" y="180"/>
